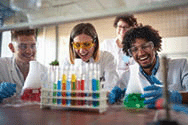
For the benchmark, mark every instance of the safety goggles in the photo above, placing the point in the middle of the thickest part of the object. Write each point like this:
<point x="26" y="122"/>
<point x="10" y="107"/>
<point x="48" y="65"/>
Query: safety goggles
<point x="123" y="27"/>
<point x="23" y="46"/>
<point x="83" y="45"/>
<point x="145" y="47"/>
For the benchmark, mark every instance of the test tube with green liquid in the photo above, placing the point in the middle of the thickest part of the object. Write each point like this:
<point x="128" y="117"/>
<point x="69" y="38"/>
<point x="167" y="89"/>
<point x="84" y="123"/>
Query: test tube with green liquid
<point x="98" y="82"/>
<point x="73" y="86"/>
<point x="54" y="93"/>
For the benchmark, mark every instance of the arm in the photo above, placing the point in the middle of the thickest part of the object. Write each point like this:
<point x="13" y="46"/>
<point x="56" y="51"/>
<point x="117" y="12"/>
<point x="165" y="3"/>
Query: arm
<point x="184" y="77"/>
<point x="111" y="74"/>
<point x="118" y="92"/>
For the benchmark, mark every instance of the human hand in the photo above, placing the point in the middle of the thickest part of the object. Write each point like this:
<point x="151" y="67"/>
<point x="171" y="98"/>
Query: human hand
<point x="116" y="94"/>
<point x="153" y="96"/>
<point x="7" y="90"/>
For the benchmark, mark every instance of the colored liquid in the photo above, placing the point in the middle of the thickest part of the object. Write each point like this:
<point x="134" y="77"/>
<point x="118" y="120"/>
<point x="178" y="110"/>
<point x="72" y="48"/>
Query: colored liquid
<point x="54" y="101"/>
<point x="73" y="95"/>
<point x="82" y="93"/>
<point x="59" y="93"/>
<point x="64" y="78"/>
<point x="94" y="88"/>
<point x="134" y="101"/>
<point x="98" y="89"/>
<point x="68" y="87"/>
<point x="78" y="94"/>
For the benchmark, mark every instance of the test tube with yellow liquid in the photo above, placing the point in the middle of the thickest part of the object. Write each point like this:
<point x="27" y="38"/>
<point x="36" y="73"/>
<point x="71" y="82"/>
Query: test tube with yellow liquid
<point x="73" y="86"/>
<point x="64" y="82"/>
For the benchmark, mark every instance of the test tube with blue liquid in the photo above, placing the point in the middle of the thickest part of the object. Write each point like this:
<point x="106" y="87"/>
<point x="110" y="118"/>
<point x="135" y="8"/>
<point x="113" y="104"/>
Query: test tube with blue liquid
<point x="68" y="88"/>
<point x="94" y="85"/>
<point x="59" y="101"/>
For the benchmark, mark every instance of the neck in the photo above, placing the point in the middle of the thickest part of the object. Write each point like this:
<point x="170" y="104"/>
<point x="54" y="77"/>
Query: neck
<point x="148" y="70"/>
<point x="119" y="43"/>
<point x="24" y="68"/>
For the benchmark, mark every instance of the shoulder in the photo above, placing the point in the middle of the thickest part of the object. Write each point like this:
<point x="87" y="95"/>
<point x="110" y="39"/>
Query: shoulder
<point x="177" y="61"/>
<point x="106" y="54"/>
<point x="5" y="60"/>
<point x="177" y="64"/>
<point x="107" y="42"/>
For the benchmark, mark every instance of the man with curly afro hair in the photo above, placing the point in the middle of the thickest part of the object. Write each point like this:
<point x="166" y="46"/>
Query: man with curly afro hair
<point x="143" y="44"/>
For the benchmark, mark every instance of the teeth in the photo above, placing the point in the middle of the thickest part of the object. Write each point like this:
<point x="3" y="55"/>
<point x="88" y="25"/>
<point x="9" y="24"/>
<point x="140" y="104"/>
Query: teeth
<point x="28" y="56"/>
<point x="83" y="54"/>
<point x="143" y="58"/>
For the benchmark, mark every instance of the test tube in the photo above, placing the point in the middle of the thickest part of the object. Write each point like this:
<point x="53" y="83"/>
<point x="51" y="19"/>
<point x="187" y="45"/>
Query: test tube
<point x="55" y="73"/>
<point x="73" y="86"/>
<point x="82" y="88"/>
<point x="68" y="88"/>
<point x="94" y="85"/>
<point x="64" y="81"/>
<point x="78" y="83"/>
<point x="89" y="81"/>
<point x="98" y="82"/>
<point x="59" y="101"/>
<point x="50" y="87"/>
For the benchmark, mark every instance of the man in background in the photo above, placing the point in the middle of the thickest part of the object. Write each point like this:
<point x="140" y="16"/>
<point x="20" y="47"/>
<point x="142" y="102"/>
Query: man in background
<point x="122" y="24"/>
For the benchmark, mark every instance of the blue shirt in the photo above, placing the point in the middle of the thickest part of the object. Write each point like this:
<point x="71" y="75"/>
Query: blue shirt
<point x="154" y="71"/>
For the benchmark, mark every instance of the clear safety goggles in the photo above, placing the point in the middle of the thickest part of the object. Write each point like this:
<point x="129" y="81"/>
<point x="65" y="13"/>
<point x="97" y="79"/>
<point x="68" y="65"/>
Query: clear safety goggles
<point x="23" y="46"/>
<point x="145" y="47"/>
<point x="83" y="45"/>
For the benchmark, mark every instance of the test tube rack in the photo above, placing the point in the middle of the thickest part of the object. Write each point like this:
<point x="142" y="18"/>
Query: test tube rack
<point x="47" y="98"/>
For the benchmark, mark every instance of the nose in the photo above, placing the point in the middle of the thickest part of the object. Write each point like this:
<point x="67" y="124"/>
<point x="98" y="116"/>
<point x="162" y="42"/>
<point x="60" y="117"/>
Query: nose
<point x="82" y="50"/>
<point x="29" y="50"/>
<point x="140" y="51"/>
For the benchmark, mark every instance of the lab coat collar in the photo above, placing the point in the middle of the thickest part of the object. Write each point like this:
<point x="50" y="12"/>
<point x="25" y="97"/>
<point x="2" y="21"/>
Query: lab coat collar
<point x="16" y="73"/>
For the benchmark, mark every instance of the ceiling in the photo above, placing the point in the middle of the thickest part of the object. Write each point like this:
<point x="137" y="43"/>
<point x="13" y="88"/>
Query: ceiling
<point x="5" y="10"/>
<point x="35" y="13"/>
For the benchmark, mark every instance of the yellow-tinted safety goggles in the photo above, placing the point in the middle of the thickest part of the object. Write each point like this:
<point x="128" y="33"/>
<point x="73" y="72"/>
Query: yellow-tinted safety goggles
<point x="83" y="45"/>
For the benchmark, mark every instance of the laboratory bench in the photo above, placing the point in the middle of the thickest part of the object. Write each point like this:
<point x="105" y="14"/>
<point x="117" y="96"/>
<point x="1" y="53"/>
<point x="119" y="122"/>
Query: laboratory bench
<point x="114" y="115"/>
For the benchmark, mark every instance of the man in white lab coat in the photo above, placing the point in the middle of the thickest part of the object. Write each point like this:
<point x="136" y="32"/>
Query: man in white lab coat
<point x="114" y="46"/>
<point x="143" y="44"/>
<point x="14" y="70"/>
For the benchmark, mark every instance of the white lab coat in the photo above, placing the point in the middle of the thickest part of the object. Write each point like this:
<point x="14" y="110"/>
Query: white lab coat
<point x="111" y="46"/>
<point x="107" y="68"/>
<point x="9" y="72"/>
<point x="177" y="78"/>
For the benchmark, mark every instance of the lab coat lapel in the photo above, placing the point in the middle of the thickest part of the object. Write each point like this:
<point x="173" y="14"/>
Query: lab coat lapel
<point x="14" y="74"/>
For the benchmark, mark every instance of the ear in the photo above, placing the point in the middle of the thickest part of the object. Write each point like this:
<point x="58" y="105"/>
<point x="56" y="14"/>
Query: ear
<point x="11" y="47"/>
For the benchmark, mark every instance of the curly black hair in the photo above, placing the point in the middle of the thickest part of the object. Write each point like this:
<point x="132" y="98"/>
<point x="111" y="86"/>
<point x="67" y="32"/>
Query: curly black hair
<point x="143" y="32"/>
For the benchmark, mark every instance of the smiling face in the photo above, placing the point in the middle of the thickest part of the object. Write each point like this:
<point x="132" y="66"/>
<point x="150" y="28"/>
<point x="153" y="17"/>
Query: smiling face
<point x="25" y="48"/>
<point x="145" y="54"/>
<point x="121" y="29"/>
<point x="84" y="52"/>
